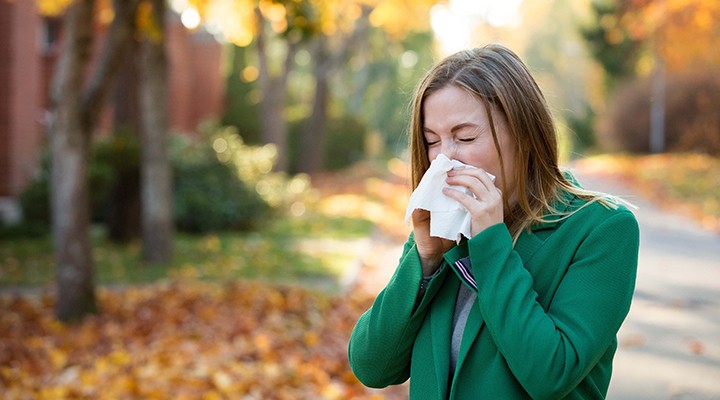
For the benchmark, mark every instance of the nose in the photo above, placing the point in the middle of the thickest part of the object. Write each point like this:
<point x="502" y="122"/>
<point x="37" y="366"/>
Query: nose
<point x="448" y="148"/>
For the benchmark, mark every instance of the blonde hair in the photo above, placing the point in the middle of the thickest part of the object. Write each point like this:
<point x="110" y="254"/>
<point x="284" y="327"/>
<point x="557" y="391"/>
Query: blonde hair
<point x="501" y="81"/>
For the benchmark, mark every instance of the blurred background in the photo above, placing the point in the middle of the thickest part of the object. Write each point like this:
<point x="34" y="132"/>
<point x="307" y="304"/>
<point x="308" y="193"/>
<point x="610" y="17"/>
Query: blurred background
<point x="166" y="165"/>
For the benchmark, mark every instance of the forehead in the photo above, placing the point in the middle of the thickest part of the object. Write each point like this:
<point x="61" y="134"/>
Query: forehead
<point x="450" y="106"/>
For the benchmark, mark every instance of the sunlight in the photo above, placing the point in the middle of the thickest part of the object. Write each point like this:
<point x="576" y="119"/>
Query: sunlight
<point x="454" y="23"/>
<point x="190" y="18"/>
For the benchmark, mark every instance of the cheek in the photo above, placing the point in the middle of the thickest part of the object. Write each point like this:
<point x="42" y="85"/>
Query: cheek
<point x="433" y="152"/>
<point x="480" y="156"/>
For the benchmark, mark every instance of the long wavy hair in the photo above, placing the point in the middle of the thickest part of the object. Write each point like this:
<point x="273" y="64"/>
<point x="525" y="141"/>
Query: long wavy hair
<point x="500" y="80"/>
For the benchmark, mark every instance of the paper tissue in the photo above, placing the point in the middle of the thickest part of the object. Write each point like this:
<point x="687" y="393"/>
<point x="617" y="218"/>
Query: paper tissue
<point x="448" y="218"/>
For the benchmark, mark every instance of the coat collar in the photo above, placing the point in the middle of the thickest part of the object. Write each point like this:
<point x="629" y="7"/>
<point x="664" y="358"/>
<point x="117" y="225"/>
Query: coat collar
<point x="441" y="320"/>
<point x="563" y="202"/>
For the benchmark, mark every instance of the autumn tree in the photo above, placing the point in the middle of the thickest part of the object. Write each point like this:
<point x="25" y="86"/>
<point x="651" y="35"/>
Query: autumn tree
<point x="669" y="39"/>
<point x="123" y="203"/>
<point x="76" y="104"/>
<point x="684" y="33"/>
<point x="332" y="31"/>
<point x="614" y="47"/>
<point x="156" y="180"/>
<point x="628" y="36"/>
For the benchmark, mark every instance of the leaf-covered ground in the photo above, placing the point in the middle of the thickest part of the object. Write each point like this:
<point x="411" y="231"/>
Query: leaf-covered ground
<point x="689" y="183"/>
<point x="224" y="339"/>
<point x="244" y="340"/>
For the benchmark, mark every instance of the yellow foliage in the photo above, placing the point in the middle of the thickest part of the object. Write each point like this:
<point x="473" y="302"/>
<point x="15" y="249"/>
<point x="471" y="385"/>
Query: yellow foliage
<point x="52" y="8"/>
<point x="146" y="22"/>
<point x="238" y="19"/>
<point x="235" y="18"/>
<point x="272" y="11"/>
<point x="400" y="16"/>
<point x="684" y="32"/>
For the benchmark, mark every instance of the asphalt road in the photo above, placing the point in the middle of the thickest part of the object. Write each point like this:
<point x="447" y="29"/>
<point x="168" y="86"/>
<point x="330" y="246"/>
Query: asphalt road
<point x="670" y="342"/>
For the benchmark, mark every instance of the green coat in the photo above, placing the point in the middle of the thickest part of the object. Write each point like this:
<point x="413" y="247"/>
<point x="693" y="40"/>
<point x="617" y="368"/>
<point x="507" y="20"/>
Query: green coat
<point x="543" y="326"/>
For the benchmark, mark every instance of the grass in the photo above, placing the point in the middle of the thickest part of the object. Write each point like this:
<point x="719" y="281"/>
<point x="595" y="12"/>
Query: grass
<point x="313" y="246"/>
<point x="328" y="238"/>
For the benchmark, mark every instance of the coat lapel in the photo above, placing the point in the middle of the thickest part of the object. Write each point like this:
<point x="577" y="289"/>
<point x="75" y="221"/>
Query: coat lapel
<point x="440" y="319"/>
<point x="528" y="243"/>
<point x="526" y="246"/>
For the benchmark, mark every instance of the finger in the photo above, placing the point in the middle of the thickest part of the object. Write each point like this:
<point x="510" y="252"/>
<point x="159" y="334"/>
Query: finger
<point x="420" y="216"/>
<point x="481" y="189"/>
<point x="477" y="207"/>
<point x="477" y="173"/>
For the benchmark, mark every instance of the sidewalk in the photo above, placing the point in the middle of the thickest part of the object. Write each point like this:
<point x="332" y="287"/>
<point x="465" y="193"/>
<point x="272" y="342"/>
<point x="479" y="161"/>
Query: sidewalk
<point x="670" y="342"/>
<point x="669" y="346"/>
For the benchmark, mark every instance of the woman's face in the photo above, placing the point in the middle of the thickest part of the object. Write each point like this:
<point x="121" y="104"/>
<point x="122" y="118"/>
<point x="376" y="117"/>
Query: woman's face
<point x="456" y="124"/>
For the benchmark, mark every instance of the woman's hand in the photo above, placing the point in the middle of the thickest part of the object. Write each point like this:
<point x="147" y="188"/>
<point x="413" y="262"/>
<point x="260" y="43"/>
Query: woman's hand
<point x="431" y="249"/>
<point x="486" y="208"/>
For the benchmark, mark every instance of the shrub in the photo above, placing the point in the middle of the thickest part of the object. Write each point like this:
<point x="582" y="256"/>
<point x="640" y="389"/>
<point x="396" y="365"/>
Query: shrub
<point x="213" y="190"/>
<point x="254" y="165"/>
<point x="344" y="142"/>
<point x="209" y="192"/>
<point x="692" y="115"/>
<point x="35" y="198"/>
<point x="222" y="183"/>
<point x="580" y="126"/>
<point x="209" y="196"/>
<point x="35" y="201"/>
<point x="114" y="172"/>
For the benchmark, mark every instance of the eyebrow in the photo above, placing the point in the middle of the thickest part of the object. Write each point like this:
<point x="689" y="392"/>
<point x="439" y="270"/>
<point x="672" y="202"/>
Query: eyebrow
<point x="457" y="127"/>
<point x="464" y="125"/>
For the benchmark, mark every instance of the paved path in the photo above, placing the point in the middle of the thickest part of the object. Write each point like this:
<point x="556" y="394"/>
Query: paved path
<point x="670" y="342"/>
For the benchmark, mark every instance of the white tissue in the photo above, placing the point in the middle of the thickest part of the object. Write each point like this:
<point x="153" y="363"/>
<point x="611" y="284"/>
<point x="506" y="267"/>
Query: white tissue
<point x="448" y="218"/>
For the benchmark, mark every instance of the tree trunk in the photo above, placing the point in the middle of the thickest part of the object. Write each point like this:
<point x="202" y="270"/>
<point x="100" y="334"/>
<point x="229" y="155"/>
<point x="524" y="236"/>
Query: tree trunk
<point x="123" y="220"/>
<point x="312" y="155"/>
<point x="157" y="223"/>
<point x="69" y="185"/>
<point x="273" y="125"/>
<point x="76" y="115"/>
<point x="657" y="107"/>
<point x="274" y="128"/>
<point x="126" y="101"/>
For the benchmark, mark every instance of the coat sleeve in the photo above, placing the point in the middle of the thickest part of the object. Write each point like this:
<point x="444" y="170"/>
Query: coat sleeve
<point x="551" y="351"/>
<point x="381" y="343"/>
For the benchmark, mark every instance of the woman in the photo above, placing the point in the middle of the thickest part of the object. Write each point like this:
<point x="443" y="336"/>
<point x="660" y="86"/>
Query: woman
<point x="530" y="305"/>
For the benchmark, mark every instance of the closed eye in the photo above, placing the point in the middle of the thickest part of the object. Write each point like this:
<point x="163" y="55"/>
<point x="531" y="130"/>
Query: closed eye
<point x="466" y="133"/>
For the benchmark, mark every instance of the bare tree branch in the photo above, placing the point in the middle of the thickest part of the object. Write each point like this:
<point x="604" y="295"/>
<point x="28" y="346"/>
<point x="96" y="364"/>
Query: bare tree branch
<point x="119" y="36"/>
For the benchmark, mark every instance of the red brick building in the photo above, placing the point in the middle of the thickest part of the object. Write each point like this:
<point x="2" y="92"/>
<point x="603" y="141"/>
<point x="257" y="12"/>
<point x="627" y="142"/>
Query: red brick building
<point x="28" y="50"/>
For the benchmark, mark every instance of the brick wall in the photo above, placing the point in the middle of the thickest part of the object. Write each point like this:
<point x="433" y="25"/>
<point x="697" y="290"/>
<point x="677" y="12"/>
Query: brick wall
<point x="196" y="88"/>
<point x="20" y="95"/>
<point x="6" y="59"/>
<point x="180" y="64"/>
<point x="208" y="94"/>
<point x="27" y="96"/>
